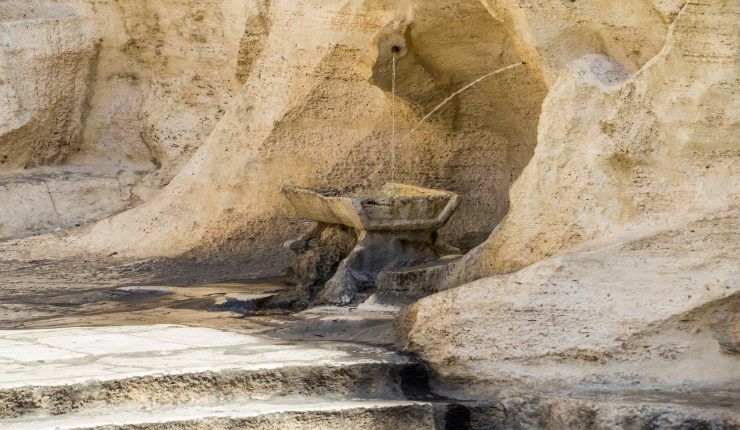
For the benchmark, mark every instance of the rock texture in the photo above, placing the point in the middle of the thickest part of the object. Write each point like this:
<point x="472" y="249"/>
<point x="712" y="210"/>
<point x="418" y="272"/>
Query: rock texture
<point x="635" y="177"/>
<point x="638" y="313"/>
<point x="47" y="199"/>
<point x="115" y="87"/>
<point x="619" y="153"/>
<point x="165" y="73"/>
<point x="46" y="53"/>
<point x="395" y="226"/>
<point x="314" y="110"/>
<point x="598" y="180"/>
<point x="319" y="251"/>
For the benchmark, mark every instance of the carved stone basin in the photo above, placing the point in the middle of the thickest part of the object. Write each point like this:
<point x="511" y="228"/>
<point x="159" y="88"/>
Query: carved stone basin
<point x="393" y="207"/>
<point x="395" y="226"/>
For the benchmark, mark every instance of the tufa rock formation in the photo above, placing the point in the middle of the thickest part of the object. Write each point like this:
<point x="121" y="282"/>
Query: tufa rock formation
<point x="598" y="182"/>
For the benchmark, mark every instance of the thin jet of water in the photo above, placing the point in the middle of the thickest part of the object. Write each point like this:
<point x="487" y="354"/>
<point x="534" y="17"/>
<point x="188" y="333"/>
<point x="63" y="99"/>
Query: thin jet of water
<point x="393" y="121"/>
<point x="438" y="107"/>
<point x="444" y="102"/>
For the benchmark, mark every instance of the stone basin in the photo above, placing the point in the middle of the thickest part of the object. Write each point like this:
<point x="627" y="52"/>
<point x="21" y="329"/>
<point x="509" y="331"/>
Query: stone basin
<point x="395" y="226"/>
<point x="393" y="207"/>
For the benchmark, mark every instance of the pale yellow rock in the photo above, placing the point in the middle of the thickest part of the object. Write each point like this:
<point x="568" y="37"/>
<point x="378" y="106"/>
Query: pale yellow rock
<point x="618" y="155"/>
<point x="314" y="110"/>
<point x="551" y="34"/>
<point x="637" y="313"/>
<point x="165" y="72"/>
<point x="625" y="116"/>
<point x="46" y="52"/>
<point x="641" y="168"/>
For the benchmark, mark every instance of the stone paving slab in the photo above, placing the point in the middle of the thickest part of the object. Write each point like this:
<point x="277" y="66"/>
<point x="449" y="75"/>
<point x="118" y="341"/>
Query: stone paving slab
<point x="175" y="416"/>
<point x="64" y="356"/>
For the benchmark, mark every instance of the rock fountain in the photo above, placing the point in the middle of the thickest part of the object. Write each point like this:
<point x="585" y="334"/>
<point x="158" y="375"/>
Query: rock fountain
<point x="395" y="226"/>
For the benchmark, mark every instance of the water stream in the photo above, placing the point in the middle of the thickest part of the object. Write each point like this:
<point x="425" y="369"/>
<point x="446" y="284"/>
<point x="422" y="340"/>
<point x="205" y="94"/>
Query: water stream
<point x="393" y="121"/>
<point x="436" y="108"/>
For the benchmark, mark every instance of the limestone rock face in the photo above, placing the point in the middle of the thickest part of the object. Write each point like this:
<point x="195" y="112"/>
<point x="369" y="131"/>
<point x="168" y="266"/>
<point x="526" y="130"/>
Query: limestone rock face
<point x="46" y="52"/>
<point x="598" y="181"/>
<point x="127" y="90"/>
<point x="314" y="110"/>
<point x="165" y="74"/>
<point x="641" y="312"/>
<point x="635" y="177"/>
<point x="619" y="155"/>
<point x="725" y="326"/>
<point x="551" y="34"/>
<point x="47" y="199"/>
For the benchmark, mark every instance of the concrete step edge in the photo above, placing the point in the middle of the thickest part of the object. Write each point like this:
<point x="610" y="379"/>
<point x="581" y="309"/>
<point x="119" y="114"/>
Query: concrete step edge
<point x="360" y="379"/>
<point x="275" y="414"/>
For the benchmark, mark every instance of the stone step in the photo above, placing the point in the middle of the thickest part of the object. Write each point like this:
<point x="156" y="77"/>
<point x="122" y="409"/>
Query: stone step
<point x="58" y="371"/>
<point x="289" y="413"/>
<point x="406" y="284"/>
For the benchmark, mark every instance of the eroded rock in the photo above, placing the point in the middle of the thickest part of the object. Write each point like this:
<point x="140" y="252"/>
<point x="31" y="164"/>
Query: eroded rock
<point x="319" y="252"/>
<point x="725" y="326"/>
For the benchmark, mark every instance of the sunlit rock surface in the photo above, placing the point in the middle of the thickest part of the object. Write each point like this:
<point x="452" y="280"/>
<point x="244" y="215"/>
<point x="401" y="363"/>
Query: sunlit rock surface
<point x="625" y="213"/>
<point x="313" y="110"/>
<point x="47" y="52"/>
